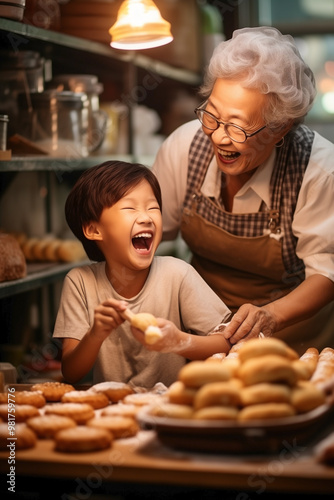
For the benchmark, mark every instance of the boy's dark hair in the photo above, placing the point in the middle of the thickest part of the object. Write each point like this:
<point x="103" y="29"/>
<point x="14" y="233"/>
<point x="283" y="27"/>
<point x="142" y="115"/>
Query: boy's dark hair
<point x="101" y="187"/>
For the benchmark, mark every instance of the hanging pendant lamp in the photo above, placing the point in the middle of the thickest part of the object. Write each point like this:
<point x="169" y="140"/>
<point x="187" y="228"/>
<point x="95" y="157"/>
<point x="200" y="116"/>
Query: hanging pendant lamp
<point x="139" y="25"/>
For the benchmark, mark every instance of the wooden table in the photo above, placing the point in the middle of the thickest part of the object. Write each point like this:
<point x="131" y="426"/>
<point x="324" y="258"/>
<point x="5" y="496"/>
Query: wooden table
<point x="144" y="460"/>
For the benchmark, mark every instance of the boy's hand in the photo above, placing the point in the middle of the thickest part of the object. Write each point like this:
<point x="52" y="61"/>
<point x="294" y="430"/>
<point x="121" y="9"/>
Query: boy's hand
<point x="107" y="317"/>
<point x="172" y="340"/>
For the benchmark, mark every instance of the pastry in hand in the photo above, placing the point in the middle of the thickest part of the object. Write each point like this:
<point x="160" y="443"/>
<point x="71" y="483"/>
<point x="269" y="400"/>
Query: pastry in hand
<point x="145" y="322"/>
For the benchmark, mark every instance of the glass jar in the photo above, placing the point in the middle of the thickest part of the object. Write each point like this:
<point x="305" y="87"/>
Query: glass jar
<point x="57" y="122"/>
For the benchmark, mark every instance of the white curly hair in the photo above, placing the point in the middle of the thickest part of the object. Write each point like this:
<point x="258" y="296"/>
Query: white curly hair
<point x="262" y="58"/>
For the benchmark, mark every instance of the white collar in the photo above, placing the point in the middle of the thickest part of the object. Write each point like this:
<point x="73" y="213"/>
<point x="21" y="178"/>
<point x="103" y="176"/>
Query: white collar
<point x="250" y="196"/>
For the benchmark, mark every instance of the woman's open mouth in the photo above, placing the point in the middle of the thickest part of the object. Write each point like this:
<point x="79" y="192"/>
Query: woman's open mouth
<point x="227" y="156"/>
<point x="142" y="242"/>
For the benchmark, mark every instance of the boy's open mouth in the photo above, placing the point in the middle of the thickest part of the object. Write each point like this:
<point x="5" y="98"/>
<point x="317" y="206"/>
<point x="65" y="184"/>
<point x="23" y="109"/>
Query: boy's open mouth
<point x="142" y="241"/>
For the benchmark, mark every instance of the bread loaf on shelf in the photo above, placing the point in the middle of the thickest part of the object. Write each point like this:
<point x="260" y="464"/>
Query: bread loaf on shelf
<point x="12" y="261"/>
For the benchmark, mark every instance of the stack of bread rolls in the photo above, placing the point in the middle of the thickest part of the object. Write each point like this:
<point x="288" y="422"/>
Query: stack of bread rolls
<point x="261" y="379"/>
<point x="50" y="249"/>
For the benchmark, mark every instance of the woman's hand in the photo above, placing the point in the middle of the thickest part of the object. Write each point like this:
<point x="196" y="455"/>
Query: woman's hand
<point x="249" y="321"/>
<point x="107" y="317"/>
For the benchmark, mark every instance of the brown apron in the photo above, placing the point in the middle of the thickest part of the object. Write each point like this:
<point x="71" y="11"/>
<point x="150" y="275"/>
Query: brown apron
<point x="233" y="267"/>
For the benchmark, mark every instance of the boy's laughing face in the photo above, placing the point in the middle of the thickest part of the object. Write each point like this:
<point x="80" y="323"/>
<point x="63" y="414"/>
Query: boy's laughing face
<point x="131" y="230"/>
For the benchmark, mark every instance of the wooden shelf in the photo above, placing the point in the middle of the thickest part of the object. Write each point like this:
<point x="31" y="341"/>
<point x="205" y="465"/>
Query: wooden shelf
<point x="61" y="41"/>
<point x="38" y="275"/>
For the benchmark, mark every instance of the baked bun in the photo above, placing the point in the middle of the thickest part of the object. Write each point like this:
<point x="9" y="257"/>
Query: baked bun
<point x="198" y="373"/>
<point x="71" y="251"/>
<point x="50" y="250"/>
<point x="216" y="394"/>
<point x="180" y="394"/>
<point x="265" y="393"/>
<point x="267" y="368"/>
<point x="216" y="413"/>
<point x="259" y="347"/>
<point x="305" y="396"/>
<point x="266" y="411"/>
<point x="306" y="364"/>
<point x="325" y="366"/>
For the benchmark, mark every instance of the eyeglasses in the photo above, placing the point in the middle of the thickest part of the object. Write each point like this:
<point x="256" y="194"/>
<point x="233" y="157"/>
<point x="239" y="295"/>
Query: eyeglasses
<point x="234" y="132"/>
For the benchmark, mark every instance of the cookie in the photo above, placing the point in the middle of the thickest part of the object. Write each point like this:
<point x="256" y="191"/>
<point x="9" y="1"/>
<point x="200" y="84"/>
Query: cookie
<point x="171" y="410"/>
<point x="52" y="391"/>
<point x="34" y="398"/>
<point x="121" y="410"/>
<point x="21" y="412"/>
<point x="143" y="398"/>
<point x="95" y="399"/>
<point x="115" y="391"/>
<point x="120" y="427"/>
<point x="46" y="426"/>
<point x="82" y="439"/>
<point x="80" y="412"/>
<point x="24" y="438"/>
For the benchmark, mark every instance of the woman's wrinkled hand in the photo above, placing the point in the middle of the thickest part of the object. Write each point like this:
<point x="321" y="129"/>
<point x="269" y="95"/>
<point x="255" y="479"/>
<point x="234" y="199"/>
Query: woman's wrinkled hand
<point x="248" y="322"/>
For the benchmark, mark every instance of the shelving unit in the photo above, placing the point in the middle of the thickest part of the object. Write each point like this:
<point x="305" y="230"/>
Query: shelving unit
<point x="38" y="274"/>
<point x="75" y="55"/>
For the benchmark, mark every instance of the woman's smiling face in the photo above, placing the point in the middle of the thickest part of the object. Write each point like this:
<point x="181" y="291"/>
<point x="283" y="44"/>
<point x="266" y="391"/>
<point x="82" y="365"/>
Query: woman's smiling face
<point x="131" y="229"/>
<point x="229" y="102"/>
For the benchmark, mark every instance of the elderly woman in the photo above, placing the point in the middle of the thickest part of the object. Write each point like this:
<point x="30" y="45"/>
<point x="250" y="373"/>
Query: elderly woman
<point x="251" y="190"/>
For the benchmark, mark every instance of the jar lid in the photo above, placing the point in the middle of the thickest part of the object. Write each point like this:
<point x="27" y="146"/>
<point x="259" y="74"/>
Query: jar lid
<point x="72" y="99"/>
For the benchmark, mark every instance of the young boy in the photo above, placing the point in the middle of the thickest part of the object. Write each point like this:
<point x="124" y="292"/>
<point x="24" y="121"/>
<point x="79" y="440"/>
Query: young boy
<point x="114" y="209"/>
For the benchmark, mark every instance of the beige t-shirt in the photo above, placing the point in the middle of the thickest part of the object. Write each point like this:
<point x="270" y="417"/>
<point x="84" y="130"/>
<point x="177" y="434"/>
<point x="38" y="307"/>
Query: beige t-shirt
<point x="173" y="290"/>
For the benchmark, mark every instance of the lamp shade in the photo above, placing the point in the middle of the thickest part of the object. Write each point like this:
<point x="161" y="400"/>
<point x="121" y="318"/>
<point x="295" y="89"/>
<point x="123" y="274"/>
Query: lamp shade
<point x="139" y="25"/>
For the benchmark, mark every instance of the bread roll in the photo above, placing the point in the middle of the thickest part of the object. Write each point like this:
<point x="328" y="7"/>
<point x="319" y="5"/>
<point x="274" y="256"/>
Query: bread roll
<point x="262" y="346"/>
<point x="306" y="364"/>
<point x="71" y="251"/>
<point x="269" y="368"/>
<point x="325" y="366"/>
